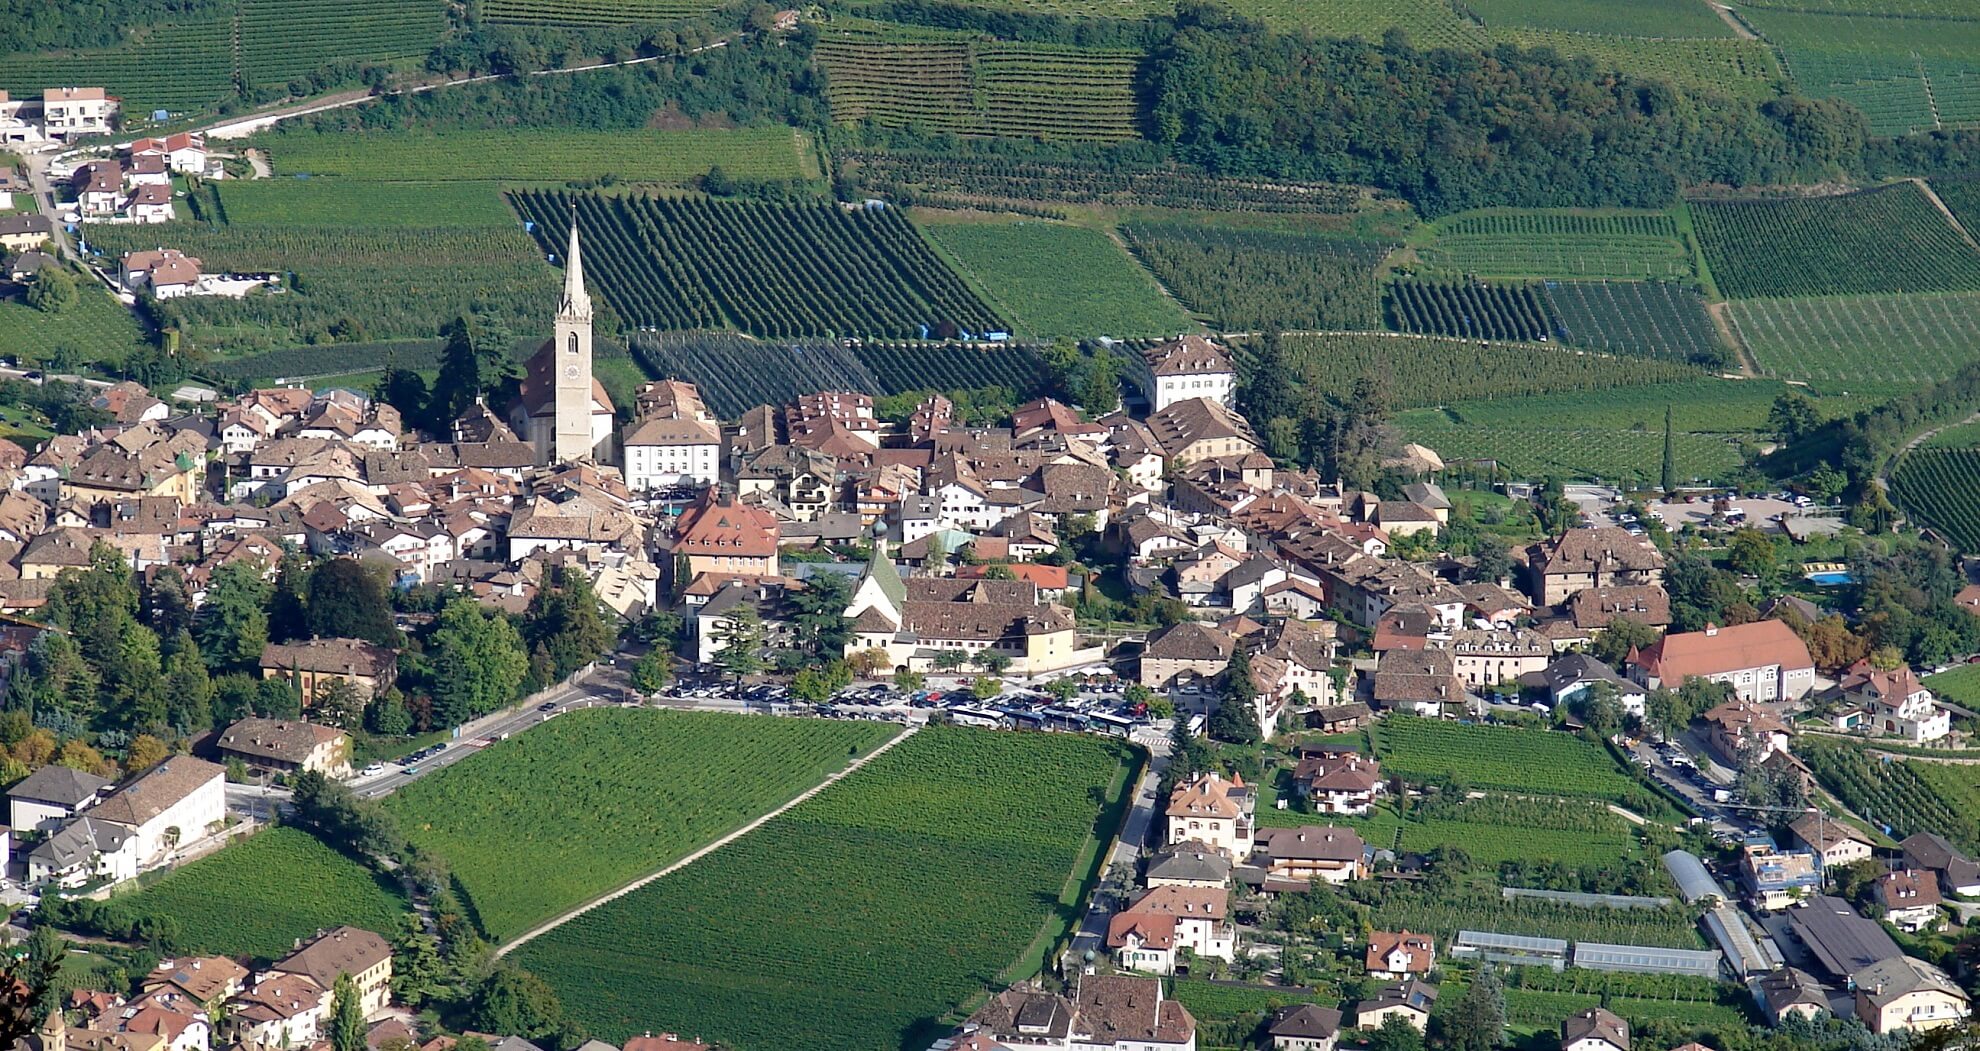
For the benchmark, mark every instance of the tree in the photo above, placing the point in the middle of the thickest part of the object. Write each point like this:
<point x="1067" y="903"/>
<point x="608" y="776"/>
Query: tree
<point x="817" y="685"/>
<point x="188" y="688"/>
<point x="166" y="605"/>
<point x="1101" y="393"/>
<point x="986" y="687"/>
<point x="388" y="716"/>
<point x="475" y="360"/>
<point x="909" y="681"/>
<point x="145" y="752"/>
<point x="822" y="627"/>
<point x="346" y="1016"/>
<point x="1623" y="634"/>
<point x="38" y="967"/>
<point x="991" y="661"/>
<point x="1752" y="552"/>
<point x="949" y="660"/>
<point x="1668" y="475"/>
<point x="1479" y="1023"/>
<point x="416" y="967"/>
<point x="513" y="1002"/>
<point x="1793" y="417"/>
<point x="741" y="637"/>
<point x="563" y="620"/>
<point x="349" y="601"/>
<point x="869" y="663"/>
<point x="53" y="291"/>
<point x="338" y="704"/>
<point x="1494" y="563"/>
<point x="652" y="672"/>
<point x="1235" y="719"/>
<point x="287" y="619"/>
<point x="478" y="662"/>
<point x="1396" y="1034"/>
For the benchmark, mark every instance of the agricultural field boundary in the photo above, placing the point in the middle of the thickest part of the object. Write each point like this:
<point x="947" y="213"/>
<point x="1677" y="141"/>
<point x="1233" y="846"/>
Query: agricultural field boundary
<point x="557" y="921"/>
<point x="1932" y="195"/>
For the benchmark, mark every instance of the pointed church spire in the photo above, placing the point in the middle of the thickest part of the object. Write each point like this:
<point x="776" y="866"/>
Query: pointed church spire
<point x="577" y="302"/>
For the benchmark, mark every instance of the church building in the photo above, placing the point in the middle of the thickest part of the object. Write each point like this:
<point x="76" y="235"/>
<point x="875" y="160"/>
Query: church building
<point x="563" y="411"/>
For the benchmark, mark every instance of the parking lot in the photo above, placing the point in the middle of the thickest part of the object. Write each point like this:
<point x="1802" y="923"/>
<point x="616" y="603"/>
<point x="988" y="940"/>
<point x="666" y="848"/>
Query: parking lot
<point x="1098" y="705"/>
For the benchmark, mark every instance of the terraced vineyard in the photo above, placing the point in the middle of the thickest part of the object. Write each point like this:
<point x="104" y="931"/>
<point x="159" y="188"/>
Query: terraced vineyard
<point x="981" y="88"/>
<point x="1889" y="239"/>
<point x="1912" y="339"/>
<point x="1941" y="487"/>
<point x="1028" y="268"/>
<point x="782" y="271"/>
<point x="1468" y="309"/>
<point x="1257" y="279"/>
<point x="943" y="180"/>
<point x="1557" y="244"/>
<point x="592" y="12"/>
<point x="794" y="938"/>
<point x="549" y="156"/>
<point x="1652" y="318"/>
<point x="599" y="798"/>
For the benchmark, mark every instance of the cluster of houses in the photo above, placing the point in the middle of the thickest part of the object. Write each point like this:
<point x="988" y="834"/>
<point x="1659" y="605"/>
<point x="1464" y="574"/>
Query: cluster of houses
<point x="91" y="830"/>
<point x="60" y="115"/>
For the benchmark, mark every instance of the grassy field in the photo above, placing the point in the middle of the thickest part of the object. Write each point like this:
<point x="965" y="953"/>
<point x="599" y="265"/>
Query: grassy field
<point x="1027" y="269"/>
<point x="97" y="328"/>
<point x="538" y="824"/>
<point x="1959" y="685"/>
<point x="957" y="858"/>
<point x="1511" y="759"/>
<point x="648" y="156"/>
<point x="1885" y="240"/>
<point x="1612" y="245"/>
<point x="1258" y="279"/>
<point x="1913" y="339"/>
<point x="256" y="897"/>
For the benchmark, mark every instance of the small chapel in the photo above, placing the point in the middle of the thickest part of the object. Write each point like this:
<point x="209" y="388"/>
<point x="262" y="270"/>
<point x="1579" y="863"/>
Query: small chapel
<point x="563" y="411"/>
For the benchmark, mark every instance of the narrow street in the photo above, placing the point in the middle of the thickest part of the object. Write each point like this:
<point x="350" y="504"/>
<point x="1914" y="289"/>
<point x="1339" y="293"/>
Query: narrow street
<point x="1142" y="823"/>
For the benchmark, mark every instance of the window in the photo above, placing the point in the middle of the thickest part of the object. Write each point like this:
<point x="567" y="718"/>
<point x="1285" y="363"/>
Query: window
<point x="571" y="345"/>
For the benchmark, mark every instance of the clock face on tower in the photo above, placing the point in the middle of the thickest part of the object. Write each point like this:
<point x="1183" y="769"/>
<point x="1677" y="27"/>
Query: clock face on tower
<point x="571" y="371"/>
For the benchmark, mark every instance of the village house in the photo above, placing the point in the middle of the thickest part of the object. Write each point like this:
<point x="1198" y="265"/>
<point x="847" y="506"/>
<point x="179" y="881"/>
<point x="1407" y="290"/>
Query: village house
<point x="70" y="113"/>
<point x="1739" y="731"/>
<point x="677" y="441"/>
<point x="1958" y="874"/>
<point x="1190" y="367"/>
<point x="1337" y="781"/>
<point x="1399" y="954"/>
<point x="719" y="534"/>
<point x="1910" y="898"/>
<point x="176" y="802"/>
<point x="1594" y="609"/>
<point x="1199" y="428"/>
<point x="1411" y="1000"/>
<point x="279" y="1010"/>
<point x="1580" y="559"/>
<point x="1774" y="878"/>
<point x="314" y="664"/>
<point x="1762" y="661"/>
<point x="1308" y="853"/>
<point x="1159" y="923"/>
<point x="204" y="980"/>
<point x="1888" y="704"/>
<point x="1571" y="679"/>
<point x="150" y="203"/>
<point x="23" y="233"/>
<point x="166" y="273"/>
<point x="1189" y="649"/>
<point x="1490" y="656"/>
<point x="52" y="795"/>
<point x="99" y="188"/>
<point x="1834" y="843"/>
<point x="1304" y="1027"/>
<point x="183" y="152"/>
<point x="1422" y="682"/>
<point x="1906" y="993"/>
<point x="1208" y="809"/>
<point x="1594" y="1029"/>
<point x="1791" y="993"/>
<point x="1188" y="864"/>
<point x="84" y="851"/>
<point x="1104" y="1013"/>
<point x="285" y="746"/>
<point x="926" y="616"/>
<point x="353" y="951"/>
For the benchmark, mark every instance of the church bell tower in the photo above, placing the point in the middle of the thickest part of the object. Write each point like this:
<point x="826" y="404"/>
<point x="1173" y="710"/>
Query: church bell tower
<point x="572" y="350"/>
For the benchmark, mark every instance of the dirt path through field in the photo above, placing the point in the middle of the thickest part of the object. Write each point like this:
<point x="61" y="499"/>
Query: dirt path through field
<point x="1933" y="196"/>
<point x="558" y="921"/>
<point x="1721" y="316"/>
<point x="1738" y="27"/>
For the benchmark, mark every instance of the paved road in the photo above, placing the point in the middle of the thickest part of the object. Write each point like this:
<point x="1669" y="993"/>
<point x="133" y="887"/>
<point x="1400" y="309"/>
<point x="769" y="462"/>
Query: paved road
<point x="602" y="687"/>
<point x="44" y="197"/>
<point x="1140" y="831"/>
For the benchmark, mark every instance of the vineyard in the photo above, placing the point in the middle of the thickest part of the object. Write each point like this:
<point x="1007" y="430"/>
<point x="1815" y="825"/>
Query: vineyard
<point x="592" y="12"/>
<point x="944" y="180"/>
<point x="256" y="897"/>
<point x="341" y="359"/>
<point x="599" y="798"/>
<point x="1741" y="68"/>
<point x="374" y="283"/>
<point x="781" y="271"/>
<point x="796" y="937"/>
<point x="967" y="87"/>
<point x="1440" y="371"/>
<point x="1027" y="270"/>
<point x="1623" y="246"/>
<point x="1701" y="1007"/>
<point x="1643" y="18"/>
<point x="1573" y="452"/>
<point x="1884" y="240"/>
<point x="1910" y="797"/>
<point x="1909" y="340"/>
<point x="1962" y="198"/>
<point x="343" y="202"/>
<point x="96" y="329"/>
<point x="898" y="367"/>
<point x="1255" y="280"/>
<point x="1909" y="71"/>
<point x="645" y="156"/>
<point x="1502" y="757"/>
<point x="1939" y="487"/>
<point x="1701" y="405"/>
<point x="1652" y="318"/>
<point x="192" y="65"/>
<point x="1467" y="309"/>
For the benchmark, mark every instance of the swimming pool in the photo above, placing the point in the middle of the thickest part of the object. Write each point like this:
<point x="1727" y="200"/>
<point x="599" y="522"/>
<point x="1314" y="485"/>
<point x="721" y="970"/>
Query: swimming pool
<point x="1830" y="580"/>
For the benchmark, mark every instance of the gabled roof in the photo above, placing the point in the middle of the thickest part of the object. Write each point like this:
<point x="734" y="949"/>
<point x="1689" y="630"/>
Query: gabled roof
<point x="1596" y="1023"/>
<point x="59" y="784"/>
<point x="1305" y="1021"/>
<point x="1716" y="650"/>
<point x="1189" y="355"/>
<point x="158" y="790"/>
<point x="1310" y="843"/>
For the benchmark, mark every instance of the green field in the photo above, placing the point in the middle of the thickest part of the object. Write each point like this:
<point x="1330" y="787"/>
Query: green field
<point x="1905" y="70"/>
<point x="1643" y="18"/>
<point x="1909" y="795"/>
<point x="1261" y="279"/>
<point x="956" y="859"/>
<point x="337" y="202"/>
<point x="1028" y="269"/>
<point x="256" y="897"/>
<point x="1941" y="488"/>
<point x="1652" y="318"/>
<point x="1959" y="685"/>
<point x="1575" y="452"/>
<point x="528" y="155"/>
<point x="1911" y="339"/>
<point x="1507" y="758"/>
<point x="1434" y="371"/>
<point x="598" y="798"/>
<point x="97" y="328"/>
<point x="1555" y="243"/>
<point x="1885" y="240"/>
